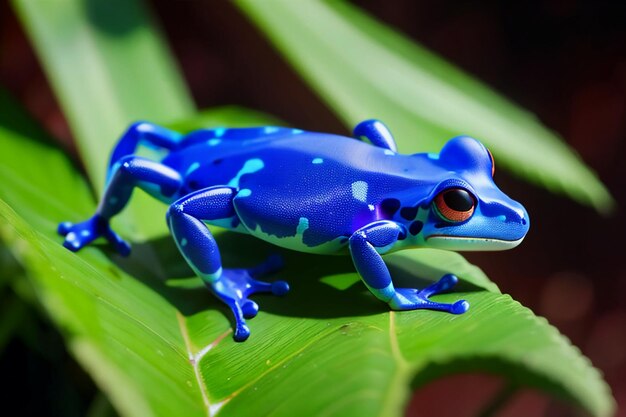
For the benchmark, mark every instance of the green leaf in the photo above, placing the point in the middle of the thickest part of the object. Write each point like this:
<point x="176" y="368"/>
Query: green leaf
<point x="161" y="349"/>
<point x="364" y="69"/>
<point x="108" y="65"/>
<point x="231" y="116"/>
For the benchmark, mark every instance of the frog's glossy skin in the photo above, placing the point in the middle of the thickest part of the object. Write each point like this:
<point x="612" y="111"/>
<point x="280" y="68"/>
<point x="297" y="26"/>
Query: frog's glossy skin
<point x="310" y="192"/>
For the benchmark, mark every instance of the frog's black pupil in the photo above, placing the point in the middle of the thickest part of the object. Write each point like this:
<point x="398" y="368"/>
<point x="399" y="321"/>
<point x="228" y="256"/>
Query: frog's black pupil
<point x="458" y="200"/>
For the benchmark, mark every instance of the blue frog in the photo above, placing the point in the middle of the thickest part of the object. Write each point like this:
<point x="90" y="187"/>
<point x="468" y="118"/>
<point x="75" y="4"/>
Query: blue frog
<point x="309" y="192"/>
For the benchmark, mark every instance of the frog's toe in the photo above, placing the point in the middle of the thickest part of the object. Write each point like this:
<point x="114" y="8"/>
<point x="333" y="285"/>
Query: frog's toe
<point x="254" y="286"/>
<point x="459" y="307"/>
<point x="412" y="299"/>
<point x="272" y="264"/>
<point x="235" y="286"/>
<point x="64" y="228"/>
<point x="72" y="243"/>
<point x="444" y="284"/>
<point x="250" y="309"/>
<point x="121" y="246"/>
<point x="280" y="288"/>
<point x="242" y="332"/>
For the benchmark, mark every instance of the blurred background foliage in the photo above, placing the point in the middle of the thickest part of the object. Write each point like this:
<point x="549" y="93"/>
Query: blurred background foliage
<point x="562" y="60"/>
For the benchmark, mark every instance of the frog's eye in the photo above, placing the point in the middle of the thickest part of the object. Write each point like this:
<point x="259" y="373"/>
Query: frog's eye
<point x="455" y="204"/>
<point x="493" y="163"/>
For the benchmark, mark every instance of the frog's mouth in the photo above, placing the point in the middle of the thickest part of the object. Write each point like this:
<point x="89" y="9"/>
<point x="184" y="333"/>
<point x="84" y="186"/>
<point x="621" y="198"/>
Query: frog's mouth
<point x="467" y="243"/>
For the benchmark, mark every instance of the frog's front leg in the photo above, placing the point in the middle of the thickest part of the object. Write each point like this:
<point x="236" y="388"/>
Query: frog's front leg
<point x="196" y="243"/>
<point x="156" y="179"/>
<point x="365" y="245"/>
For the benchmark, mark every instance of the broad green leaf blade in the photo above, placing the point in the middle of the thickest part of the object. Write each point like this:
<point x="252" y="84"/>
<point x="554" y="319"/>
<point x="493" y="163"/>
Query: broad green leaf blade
<point x="231" y="116"/>
<point x="108" y="65"/>
<point x="159" y="349"/>
<point x="133" y="347"/>
<point x="364" y="69"/>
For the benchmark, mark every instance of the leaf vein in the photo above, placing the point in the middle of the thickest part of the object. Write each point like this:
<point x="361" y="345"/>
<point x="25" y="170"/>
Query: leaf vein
<point x="279" y="363"/>
<point x="194" y="364"/>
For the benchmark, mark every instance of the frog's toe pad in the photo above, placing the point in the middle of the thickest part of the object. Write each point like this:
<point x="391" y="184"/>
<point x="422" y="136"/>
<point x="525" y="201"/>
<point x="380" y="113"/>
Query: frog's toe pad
<point x="444" y="284"/>
<point x="72" y="244"/>
<point x="280" y="288"/>
<point x="242" y="332"/>
<point x="64" y="228"/>
<point x="235" y="286"/>
<point x="459" y="307"/>
<point x="250" y="309"/>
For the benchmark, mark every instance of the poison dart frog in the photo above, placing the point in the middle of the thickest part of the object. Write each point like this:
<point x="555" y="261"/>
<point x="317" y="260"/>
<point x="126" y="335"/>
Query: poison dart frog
<point x="310" y="192"/>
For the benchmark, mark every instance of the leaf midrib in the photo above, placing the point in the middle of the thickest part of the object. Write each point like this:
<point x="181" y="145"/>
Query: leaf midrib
<point x="184" y="330"/>
<point x="402" y="372"/>
<point x="7" y="211"/>
<point x="277" y="365"/>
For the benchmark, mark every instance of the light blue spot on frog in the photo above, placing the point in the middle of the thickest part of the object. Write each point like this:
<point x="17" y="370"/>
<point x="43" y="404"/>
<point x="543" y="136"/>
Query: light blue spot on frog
<point x="219" y="132"/>
<point x="213" y="142"/>
<point x="244" y="192"/>
<point x="215" y="275"/>
<point x="192" y="168"/>
<point x="270" y="129"/>
<point x="251" y="166"/>
<point x="303" y="224"/>
<point x="318" y="161"/>
<point x="359" y="190"/>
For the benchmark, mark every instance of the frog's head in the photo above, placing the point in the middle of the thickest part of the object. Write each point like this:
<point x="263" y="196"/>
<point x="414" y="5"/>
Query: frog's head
<point x="466" y="210"/>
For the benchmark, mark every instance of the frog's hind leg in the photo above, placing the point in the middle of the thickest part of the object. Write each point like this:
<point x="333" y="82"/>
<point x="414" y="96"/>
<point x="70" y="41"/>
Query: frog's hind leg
<point x="377" y="133"/>
<point x="156" y="179"/>
<point x="233" y="286"/>
<point x="143" y="133"/>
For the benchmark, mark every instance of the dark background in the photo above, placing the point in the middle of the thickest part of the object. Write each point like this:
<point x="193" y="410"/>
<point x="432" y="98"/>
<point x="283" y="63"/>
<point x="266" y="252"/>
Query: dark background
<point x="564" y="60"/>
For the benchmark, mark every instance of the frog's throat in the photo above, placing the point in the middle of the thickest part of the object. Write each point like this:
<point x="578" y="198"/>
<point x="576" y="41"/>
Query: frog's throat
<point x="462" y="243"/>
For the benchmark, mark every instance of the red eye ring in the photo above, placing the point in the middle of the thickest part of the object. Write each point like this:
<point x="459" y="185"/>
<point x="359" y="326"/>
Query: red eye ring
<point x="455" y="204"/>
<point x="493" y="163"/>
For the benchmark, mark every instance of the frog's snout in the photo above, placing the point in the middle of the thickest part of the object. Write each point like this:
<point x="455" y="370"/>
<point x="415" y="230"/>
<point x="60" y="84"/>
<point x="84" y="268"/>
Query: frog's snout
<point x="517" y="219"/>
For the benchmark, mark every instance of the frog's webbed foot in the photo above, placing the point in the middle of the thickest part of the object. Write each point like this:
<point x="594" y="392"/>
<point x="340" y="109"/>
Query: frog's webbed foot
<point x="235" y="286"/>
<point x="411" y="299"/>
<point x="78" y="235"/>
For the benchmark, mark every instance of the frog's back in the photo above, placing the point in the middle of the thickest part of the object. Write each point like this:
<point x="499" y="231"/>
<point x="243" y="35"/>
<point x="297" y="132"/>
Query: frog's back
<point x="216" y="156"/>
<point x="302" y="190"/>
